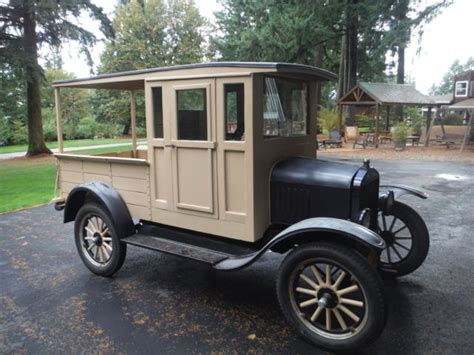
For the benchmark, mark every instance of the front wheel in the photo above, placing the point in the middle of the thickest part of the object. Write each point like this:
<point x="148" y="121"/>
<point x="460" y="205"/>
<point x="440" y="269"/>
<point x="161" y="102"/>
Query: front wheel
<point x="406" y="238"/>
<point x="331" y="296"/>
<point x="97" y="242"/>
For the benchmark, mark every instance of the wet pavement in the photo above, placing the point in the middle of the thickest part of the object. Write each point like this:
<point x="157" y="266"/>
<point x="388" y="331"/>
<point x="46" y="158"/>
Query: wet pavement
<point x="50" y="303"/>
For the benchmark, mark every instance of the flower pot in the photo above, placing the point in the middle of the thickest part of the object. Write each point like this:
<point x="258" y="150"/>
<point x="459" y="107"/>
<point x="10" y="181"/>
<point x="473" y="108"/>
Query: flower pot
<point x="400" y="145"/>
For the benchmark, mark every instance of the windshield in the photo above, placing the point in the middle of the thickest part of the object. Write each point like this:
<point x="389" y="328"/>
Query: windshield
<point x="285" y="107"/>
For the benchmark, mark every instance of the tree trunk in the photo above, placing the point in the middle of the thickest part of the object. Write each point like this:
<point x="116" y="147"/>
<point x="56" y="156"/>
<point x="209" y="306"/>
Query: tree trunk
<point x="126" y="128"/>
<point x="400" y="78"/>
<point x="36" y="143"/>
<point x="403" y="39"/>
<point x="351" y="55"/>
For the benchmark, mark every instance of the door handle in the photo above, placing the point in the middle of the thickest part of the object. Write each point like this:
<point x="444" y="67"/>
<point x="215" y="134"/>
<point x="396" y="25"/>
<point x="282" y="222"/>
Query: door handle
<point x="170" y="146"/>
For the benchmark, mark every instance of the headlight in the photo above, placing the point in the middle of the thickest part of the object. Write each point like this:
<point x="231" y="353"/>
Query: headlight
<point x="386" y="203"/>
<point x="364" y="217"/>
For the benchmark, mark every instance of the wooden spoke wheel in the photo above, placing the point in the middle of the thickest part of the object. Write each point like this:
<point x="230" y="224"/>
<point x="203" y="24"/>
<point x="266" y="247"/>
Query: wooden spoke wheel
<point x="332" y="296"/>
<point x="97" y="242"/>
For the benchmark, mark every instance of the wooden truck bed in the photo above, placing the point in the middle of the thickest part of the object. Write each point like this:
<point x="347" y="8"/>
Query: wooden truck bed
<point x="129" y="176"/>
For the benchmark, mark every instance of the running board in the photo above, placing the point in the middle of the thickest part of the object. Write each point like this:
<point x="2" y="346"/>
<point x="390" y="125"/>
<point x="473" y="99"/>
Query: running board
<point x="173" y="247"/>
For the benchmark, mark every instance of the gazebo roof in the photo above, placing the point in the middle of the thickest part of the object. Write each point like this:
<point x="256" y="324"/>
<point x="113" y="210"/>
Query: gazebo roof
<point x="463" y="105"/>
<point x="385" y="94"/>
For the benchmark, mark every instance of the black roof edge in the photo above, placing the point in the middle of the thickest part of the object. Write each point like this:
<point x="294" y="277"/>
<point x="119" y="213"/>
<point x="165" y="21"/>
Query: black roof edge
<point x="302" y="68"/>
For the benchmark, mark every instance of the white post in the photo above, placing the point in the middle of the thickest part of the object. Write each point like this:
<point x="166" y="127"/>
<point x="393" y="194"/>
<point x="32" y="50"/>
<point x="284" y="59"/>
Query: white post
<point x="59" y="123"/>
<point x="133" y="123"/>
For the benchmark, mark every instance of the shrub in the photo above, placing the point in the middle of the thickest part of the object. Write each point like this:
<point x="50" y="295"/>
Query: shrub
<point x="5" y="132"/>
<point x="453" y="119"/>
<point x="416" y="119"/>
<point x="49" y="124"/>
<point x="19" y="133"/>
<point x="107" y="130"/>
<point x="328" y="119"/>
<point x="88" y="128"/>
<point x="365" y="121"/>
<point x="400" y="132"/>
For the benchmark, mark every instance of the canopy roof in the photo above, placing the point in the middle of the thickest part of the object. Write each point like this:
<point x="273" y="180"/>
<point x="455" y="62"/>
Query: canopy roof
<point x="385" y="94"/>
<point x="131" y="80"/>
<point x="463" y="105"/>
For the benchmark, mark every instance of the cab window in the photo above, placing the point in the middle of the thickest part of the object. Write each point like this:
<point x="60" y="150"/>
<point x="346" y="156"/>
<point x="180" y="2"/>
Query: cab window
<point x="285" y="107"/>
<point x="234" y="112"/>
<point x="192" y="114"/>
<point x="157" y="112"/>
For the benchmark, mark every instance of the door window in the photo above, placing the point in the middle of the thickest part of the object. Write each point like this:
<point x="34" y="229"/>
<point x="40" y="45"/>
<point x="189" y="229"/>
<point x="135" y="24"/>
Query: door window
<point x="234" y="112"/>
<point x="192" y="114"/>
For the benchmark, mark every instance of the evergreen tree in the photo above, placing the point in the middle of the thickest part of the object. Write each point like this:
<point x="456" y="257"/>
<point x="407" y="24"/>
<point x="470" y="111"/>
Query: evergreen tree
<point x="25" y="25"/>
<point x="148" y="34"/>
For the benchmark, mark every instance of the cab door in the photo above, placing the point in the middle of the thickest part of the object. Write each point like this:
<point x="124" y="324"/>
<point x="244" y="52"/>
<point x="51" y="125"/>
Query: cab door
<point x="192" y="145"/>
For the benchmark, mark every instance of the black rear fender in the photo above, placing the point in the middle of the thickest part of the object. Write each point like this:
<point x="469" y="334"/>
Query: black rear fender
<point x="105" y="195"/>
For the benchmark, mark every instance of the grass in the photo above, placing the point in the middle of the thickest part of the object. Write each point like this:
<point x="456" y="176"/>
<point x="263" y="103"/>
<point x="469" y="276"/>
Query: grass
<point x="26" y="182"/>
<point x="30" y="182"/>
<point x="67" y="144"/>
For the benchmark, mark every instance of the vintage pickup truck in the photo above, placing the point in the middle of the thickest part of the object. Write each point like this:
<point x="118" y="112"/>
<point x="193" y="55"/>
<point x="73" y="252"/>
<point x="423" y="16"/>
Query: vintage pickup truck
<point x="229" y="172"/>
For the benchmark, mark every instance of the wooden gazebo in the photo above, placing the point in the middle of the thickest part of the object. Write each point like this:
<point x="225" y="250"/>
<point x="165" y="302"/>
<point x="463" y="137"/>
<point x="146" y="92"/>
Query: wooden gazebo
<point x="465" y="105"/>
<point x="383" y="94"/>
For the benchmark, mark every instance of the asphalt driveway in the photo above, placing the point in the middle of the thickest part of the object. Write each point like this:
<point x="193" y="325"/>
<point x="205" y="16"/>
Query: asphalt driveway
<point x="50" y="303"/>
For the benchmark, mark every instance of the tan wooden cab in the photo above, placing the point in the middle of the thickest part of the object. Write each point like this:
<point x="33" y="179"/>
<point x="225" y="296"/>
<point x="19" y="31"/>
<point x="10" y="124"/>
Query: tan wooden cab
<point x="213" y="133"/>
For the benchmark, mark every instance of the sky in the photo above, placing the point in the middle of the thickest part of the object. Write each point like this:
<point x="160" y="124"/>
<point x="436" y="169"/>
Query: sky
<point x="447" y="38"/>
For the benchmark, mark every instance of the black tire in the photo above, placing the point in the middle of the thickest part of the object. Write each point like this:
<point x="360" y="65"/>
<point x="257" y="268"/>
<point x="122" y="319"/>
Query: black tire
<point x="369" y="292"/>
<point x="407" y="249"/>
<point x="111" y="264"/>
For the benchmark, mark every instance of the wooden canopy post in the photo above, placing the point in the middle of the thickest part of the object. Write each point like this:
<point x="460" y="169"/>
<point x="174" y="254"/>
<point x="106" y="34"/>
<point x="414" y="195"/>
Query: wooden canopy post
<point x="468" y="130"/>
<point x="59" y="122"/>
<point x="387" y="118"/>
<point x="377" y="114"/>
<point x="133" y="122"/>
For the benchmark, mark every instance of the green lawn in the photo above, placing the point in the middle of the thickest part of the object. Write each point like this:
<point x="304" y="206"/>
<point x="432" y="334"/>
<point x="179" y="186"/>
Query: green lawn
<point x="26" y="182"/>
<point x="29" y="182"/>
<point x="67" y="144"/>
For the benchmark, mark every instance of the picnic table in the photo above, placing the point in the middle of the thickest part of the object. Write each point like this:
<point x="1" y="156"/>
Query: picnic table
<point x="415" y="140"/>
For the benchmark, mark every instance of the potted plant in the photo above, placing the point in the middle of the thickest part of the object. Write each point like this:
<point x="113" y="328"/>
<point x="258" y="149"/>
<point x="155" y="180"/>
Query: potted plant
<point x="399" y="135"/>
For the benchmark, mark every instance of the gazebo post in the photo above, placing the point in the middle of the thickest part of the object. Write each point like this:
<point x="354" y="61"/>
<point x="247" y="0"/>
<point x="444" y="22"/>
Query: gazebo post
<point x="387" y="118"/>
<point x="133" y="121"/>
<point x="59" y="121"/>
<point x="429" y="126"/>
<point x="376" y="137"/>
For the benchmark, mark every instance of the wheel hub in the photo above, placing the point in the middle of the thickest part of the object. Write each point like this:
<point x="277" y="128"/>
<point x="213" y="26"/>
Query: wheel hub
<point x="97" y="239"/>
<point x="327" y="298"/>
<point x="388" y="237"/>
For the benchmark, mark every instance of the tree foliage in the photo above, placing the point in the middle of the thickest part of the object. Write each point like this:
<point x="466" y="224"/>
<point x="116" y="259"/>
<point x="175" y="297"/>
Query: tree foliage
<point x="148" y="33"/>
<point x="352" y="37"/>
<point x="26" y="25"/>
<point x="446" y="86"/>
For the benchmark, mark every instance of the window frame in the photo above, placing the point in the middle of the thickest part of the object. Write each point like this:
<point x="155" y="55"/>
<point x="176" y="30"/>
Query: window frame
<point x="153" y="112"/>
<point x="292" y="79"/>
<point x="456" y="88"/>
<point x="207" y="90"/>
<point x="225" y="133"/>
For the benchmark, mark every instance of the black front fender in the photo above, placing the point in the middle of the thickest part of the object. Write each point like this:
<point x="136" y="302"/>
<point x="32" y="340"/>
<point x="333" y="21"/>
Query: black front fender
<point x="106" y="196"/>
<point x="318" y="226"/>
<point x="400" y="190"/>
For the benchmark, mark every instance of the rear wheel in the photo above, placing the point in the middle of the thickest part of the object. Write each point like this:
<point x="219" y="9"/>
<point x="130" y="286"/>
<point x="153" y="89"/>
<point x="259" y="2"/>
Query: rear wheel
<point x="331" y="296"/>
<point x="97" y="242"/>
<point x="406" y="238"/>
